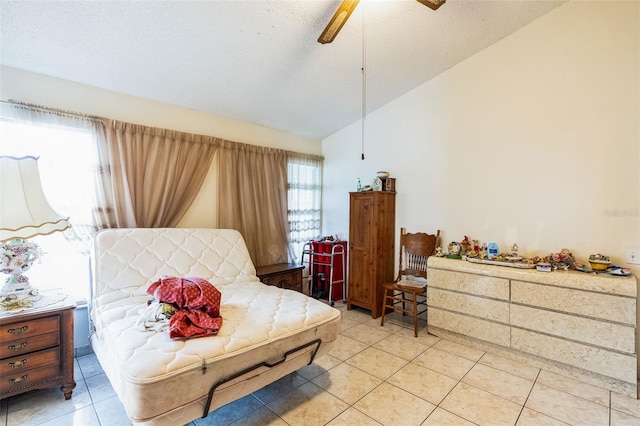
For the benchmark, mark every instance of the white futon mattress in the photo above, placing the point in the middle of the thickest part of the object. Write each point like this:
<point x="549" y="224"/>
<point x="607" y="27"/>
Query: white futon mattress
<point x="159" y="378"/>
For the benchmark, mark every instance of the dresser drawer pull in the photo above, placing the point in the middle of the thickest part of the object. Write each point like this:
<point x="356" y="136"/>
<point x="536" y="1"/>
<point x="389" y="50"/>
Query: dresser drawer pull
<point x="18" y="331"/>
<point x="18" y="348"/>
<point x="17" y="379"/>
<point x="18" y="364"/>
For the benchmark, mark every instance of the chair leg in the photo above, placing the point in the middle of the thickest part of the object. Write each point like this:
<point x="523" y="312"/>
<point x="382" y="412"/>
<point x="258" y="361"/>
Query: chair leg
<point x="426" y="312"/>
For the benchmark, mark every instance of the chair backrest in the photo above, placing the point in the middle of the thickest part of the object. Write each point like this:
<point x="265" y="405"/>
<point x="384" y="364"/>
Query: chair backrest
<point x="415" y="249"/>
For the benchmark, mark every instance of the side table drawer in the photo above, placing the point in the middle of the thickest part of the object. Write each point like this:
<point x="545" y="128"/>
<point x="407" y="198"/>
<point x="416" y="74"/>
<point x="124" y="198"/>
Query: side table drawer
<point x="25" y="379"/>
<point x="26" y="345"/>
<point x="288" y="280"/>
<point x="20" y="363"/>
<point x="282" y="275"/>
<point x="24" y="329"/>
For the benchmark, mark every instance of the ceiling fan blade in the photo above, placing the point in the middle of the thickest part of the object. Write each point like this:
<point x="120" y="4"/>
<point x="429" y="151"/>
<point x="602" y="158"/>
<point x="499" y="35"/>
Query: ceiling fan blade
<point x="432" y="4"/>
<point x="337" y="21"/>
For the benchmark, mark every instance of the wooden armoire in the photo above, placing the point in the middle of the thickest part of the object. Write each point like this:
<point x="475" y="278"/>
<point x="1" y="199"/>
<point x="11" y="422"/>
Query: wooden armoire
<point x="372" y="221"/>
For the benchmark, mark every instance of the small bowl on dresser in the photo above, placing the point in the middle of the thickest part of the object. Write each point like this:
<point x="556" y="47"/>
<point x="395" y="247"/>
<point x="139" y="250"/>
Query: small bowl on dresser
<point x="599" y="262"/>
<point x="600" y="265"/>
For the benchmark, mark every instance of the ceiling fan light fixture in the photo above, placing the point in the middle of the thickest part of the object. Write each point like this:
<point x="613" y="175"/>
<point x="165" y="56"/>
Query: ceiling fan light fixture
<point x="337" y="21"/>
<point x="432" y="4"/>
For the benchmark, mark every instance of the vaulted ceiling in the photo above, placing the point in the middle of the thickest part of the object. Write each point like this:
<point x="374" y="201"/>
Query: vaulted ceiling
<point x="257" y="61"/>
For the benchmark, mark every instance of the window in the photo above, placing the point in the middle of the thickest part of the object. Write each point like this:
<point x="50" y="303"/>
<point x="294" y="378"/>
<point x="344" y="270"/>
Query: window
<point x="304" y="177"/>
<point x="65" y="171"/>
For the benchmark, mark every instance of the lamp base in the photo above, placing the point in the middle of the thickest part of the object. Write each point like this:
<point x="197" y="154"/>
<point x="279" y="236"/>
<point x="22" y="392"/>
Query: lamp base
<point x="16" y="290"/>
<point x="16" y="257"/>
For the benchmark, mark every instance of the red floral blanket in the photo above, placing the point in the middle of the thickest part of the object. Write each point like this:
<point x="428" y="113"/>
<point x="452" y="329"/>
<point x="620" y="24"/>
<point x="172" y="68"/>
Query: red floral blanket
<point x="197" y="302"/>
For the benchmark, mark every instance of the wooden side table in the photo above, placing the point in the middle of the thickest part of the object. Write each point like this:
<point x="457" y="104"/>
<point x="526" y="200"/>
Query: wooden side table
<point x="36" y="348"/>
<point x="283" y="275"/>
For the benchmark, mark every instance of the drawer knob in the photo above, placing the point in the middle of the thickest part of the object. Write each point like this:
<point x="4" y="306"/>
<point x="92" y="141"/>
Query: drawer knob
<point x="17" y="379"/>
<point x="18" y="331"/>
<point x="17" y="364"/>
<point x="19" y="347"/>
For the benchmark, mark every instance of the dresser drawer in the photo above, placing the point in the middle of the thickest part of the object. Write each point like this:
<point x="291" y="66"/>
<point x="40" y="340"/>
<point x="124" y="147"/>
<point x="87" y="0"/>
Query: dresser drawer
<point x="20" y="363"/>
<point x="25" y="379"/>
<point x="25" y="329"/>
<point x="27" y="345"/>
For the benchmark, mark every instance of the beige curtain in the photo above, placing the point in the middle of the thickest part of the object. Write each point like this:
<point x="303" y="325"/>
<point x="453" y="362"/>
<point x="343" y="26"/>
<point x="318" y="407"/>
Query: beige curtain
<point x="156" y="173"/>
<point x="104" y="215"/>
<point x="253" y="199"/>
<point x="304" y="199"/>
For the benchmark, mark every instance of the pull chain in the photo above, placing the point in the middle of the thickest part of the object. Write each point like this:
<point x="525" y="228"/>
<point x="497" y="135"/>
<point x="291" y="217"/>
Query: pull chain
<point x="364" y="81"/>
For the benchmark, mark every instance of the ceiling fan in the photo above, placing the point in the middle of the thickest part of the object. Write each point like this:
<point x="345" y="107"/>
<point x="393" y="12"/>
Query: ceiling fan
<point x="344" y="11"/>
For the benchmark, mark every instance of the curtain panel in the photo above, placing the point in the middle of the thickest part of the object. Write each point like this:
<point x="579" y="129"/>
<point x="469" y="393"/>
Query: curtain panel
<point x="304" y="199"/>
<point x="157" y="173"/>
<point x="253" y="199"/>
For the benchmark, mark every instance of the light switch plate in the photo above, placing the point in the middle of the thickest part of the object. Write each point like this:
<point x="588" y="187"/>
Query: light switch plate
<point x="633" y="256"/>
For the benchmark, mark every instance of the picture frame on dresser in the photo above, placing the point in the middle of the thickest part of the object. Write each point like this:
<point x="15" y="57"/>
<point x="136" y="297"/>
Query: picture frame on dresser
<point x="389" y="185"/>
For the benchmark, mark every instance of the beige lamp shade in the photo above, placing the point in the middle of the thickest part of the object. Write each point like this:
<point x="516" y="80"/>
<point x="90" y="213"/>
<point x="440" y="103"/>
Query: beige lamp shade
<point x="24" y="210"/>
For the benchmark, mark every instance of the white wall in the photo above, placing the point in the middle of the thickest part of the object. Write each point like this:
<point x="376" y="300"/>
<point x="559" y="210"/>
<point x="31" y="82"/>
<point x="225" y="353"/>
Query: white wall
<point x="534" y="140"/>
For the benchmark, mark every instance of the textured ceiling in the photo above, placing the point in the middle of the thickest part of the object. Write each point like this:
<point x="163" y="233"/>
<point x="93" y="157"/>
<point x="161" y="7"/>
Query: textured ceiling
<point x="257" y="61"/>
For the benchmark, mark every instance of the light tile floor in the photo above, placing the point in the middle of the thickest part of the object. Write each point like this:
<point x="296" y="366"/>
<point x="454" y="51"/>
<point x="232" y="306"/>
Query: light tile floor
<point x="373" y="376"/>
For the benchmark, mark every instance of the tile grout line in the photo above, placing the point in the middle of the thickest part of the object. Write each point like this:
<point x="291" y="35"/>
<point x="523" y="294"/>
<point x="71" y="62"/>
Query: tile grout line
<point x="524" y="404"/>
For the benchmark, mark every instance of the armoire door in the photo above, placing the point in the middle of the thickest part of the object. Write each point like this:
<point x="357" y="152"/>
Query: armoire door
<point x="360" y="250"/>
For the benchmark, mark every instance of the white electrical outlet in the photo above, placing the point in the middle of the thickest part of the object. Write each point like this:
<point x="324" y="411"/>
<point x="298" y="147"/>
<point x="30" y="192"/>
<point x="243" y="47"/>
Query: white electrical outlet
<point x="633" y="256"/>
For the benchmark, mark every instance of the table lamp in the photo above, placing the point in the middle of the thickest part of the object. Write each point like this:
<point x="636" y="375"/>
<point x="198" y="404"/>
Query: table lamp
<point x="24" y="213"/>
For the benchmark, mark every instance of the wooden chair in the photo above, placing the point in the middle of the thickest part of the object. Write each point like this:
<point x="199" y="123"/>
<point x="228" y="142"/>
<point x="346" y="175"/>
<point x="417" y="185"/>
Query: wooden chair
<point x="415" y="249"/>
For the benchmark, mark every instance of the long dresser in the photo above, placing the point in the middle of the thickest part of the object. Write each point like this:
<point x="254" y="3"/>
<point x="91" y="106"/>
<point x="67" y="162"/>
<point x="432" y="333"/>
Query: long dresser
<point x="573" y="323"/>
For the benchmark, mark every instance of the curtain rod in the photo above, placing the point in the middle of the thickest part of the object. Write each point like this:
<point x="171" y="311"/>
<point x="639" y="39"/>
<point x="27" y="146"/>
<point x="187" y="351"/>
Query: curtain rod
<point x="49" y="109"/>
<point x="95" y="117"/>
